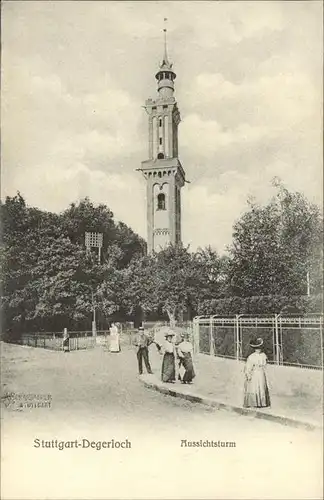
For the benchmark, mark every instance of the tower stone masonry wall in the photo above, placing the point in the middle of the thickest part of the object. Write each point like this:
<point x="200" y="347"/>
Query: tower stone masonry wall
<point x="162" y="170"/>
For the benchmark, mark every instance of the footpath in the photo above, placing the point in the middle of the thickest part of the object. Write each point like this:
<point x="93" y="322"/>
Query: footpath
<point x="296" y="393"/>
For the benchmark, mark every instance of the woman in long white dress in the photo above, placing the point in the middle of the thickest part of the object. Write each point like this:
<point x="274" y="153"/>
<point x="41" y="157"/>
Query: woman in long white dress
<point x="114" y="338"/>
<point x="256" y="392"/>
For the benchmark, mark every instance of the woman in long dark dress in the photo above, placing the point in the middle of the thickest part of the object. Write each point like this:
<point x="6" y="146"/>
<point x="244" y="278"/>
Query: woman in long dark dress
<point x="185" y="351"/>
<point x="168" y="363"/>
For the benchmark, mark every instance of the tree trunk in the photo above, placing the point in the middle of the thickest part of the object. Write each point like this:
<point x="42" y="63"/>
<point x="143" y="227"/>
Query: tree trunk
<point x="172" y="318"/>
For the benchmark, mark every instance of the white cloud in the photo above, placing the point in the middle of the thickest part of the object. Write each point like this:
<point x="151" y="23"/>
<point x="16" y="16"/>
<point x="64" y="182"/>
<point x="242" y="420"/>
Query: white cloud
<point x="275" y="101"/>
<point x="208" y="136"/>
<point x="229" y="22"/>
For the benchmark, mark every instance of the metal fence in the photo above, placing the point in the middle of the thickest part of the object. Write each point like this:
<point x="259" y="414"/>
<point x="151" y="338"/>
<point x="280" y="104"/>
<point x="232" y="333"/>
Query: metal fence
<point x="77" y="339"/>
<point x="295" y="341"/>
<point x="53" y="341"/>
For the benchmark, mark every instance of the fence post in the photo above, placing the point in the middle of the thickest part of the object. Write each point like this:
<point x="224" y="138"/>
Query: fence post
<point x="195" y="331"/>
<point x="211" y="346"/>
<point x="276" y="342"/>
<point x="190" y="332"/>
<point x="238" y="339"/>
<point x="280" y="341"/>
<point x="321" y="337"/>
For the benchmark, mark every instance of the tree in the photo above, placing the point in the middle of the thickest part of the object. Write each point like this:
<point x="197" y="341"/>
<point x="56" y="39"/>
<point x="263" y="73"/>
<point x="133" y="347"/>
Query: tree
<point x="274" y="246"/>
<point x="138" y="281"/>
<point x="166" y="281"/>
<point x="86" y="217"/>
<point x="48" y="279"/>
<point x="129" y="243"/>
<point x="174" y="280"/>
<point x="61" y="283"/>
<point x="24" y="232"/>
<point x="212" y="271"/>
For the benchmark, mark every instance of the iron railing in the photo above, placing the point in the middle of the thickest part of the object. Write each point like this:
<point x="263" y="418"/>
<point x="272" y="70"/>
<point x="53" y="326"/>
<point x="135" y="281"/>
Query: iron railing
<point x="287" y="340"/>
<point x="78" y="339"/>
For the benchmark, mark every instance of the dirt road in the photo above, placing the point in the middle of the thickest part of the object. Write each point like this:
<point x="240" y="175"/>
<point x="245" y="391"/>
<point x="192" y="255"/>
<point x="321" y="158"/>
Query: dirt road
<point x="97" y="396"/>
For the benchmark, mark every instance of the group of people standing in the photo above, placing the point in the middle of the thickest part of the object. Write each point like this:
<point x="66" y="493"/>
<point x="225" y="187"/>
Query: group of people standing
<point x="177" y="357"/>
<point x="178" y="363"/>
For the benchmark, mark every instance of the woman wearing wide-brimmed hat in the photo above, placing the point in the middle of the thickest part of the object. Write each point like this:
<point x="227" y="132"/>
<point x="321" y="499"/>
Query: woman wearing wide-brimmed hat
<point x="168" y="364"/>
<point x="256" y="392"/>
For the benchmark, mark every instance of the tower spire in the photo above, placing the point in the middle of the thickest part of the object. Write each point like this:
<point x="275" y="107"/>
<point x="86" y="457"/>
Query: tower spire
<point x="165" y="76"/>
<point x="165" y="57"/>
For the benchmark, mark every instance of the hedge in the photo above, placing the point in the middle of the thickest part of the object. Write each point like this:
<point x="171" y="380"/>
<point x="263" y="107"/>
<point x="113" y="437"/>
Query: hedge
<point x="270" y="304"/>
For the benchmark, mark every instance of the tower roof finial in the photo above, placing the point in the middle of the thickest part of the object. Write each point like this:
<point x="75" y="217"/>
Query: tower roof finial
<point x="165" y="73"/>
<point x="165" y="61"/>
<point x="165" y="57"/>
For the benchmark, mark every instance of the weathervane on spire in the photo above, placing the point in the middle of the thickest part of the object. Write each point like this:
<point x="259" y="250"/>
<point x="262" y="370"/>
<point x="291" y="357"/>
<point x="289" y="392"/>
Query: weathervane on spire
<point x="165" y="76"/>
<point x="165" y="33"/>
<point x="165" y="57"/>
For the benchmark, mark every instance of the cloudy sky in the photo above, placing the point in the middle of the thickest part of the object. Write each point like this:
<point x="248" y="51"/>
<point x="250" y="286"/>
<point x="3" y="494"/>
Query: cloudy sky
<point x="249" y="87"/>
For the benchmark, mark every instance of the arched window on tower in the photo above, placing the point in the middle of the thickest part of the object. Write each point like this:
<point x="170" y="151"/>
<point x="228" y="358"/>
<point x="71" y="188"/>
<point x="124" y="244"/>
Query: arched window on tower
<point x="161" y="201"/>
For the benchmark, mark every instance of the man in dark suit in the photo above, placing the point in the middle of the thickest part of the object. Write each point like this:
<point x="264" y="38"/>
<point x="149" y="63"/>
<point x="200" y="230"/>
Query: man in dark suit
<point x="143" y="341"/>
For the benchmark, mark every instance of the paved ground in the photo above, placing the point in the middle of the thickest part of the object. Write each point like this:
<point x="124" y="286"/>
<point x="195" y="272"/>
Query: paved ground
<point x="296" y="393"/>
<point x="98" y="396"/>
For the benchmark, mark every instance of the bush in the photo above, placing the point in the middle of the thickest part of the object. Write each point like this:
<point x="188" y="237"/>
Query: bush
<point x="270" y="304"/>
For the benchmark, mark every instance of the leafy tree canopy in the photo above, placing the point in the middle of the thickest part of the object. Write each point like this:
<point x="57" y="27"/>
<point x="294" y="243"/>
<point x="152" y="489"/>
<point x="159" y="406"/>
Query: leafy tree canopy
<point x="47" y="277"/>
<point x="275" y="246"/>
<point x="49" y="281"/>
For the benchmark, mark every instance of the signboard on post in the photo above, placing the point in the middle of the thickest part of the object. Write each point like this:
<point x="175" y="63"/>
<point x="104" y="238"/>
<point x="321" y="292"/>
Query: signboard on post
<point x="94" y="240"/>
